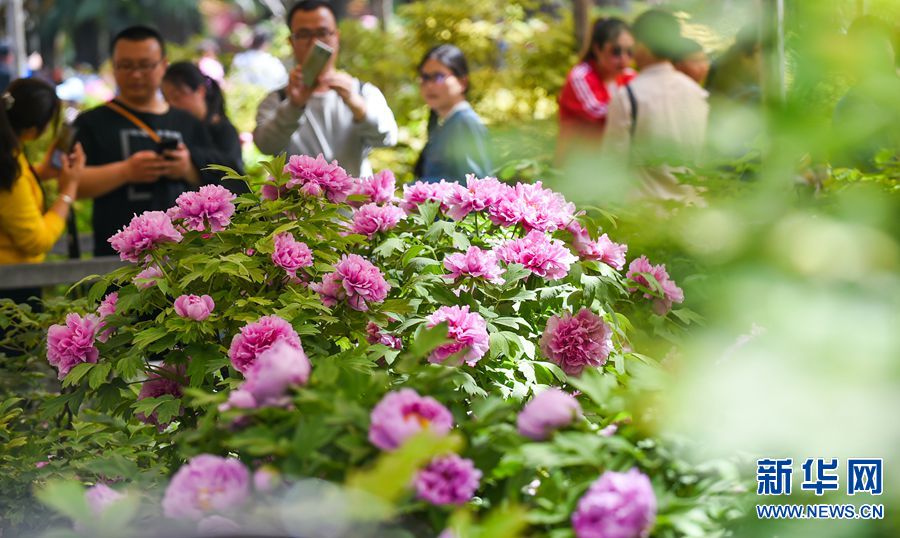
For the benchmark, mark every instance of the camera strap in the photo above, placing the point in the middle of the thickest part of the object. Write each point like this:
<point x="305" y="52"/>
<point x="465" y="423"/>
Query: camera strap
<point x="122" y="111"/>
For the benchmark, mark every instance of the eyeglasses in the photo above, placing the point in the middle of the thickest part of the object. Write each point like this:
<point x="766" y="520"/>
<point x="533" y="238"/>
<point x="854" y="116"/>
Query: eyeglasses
<point x="306" y="35"/>
<point x="142" y="67"/>
<point x="619" y="51"/>
<point x="437" y="78"/>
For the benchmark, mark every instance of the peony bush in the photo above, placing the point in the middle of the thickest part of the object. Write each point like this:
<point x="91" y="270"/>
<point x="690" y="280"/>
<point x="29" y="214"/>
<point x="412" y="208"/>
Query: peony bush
<point x="441" y="358"/>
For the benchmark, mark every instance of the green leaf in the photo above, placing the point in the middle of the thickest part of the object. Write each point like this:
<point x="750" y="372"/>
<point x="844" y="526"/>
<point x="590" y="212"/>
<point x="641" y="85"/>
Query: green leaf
<point x="99" y="374"/>
<point x="426" y="340"/>
<point x="311" y="434"/>
<point x="147" y="336"/>
<point x="389" y="246"/>
<point x="66" y="497"/>
<point x="76" y="373"/>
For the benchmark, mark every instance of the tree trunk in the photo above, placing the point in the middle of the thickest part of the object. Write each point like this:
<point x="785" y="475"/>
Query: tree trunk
<point x="383" y="9"/>
<point x="582" y="18"/>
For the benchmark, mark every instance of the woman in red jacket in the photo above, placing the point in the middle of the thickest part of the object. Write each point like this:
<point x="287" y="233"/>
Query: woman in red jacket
<point x="590" y="85"/>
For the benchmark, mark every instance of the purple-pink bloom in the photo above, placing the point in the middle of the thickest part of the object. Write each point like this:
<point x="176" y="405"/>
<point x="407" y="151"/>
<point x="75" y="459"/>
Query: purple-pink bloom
<point x="448" y="480"/>
<point x="291" y="254"/>
<point x="543" y="256"/>
<point x="535" y="207"/>
<point x="617" y="505"/>
<point x="194" y="307"/>
<point x="107" y="308"/>
<point x="144" y="233"/>
<point x="575" y="342"/>
<point x="420" y="192"/>
<point x="373" y="218"/>
<point x="361" y="283"/>
<point x="331" y="289"/>
<point x="603" y="249"/>
<point x="378" y="189"/>
<point x="671" y="293"/>
<point x="265" y="479"/>
<point x="374" y="335"/>
<point x="168" y="380"/>
<point x="99" y="497"/>
<point x="270" y="191"/>
<point x="548" y="411"/>
<point x="210" y="208"/>
<point x="316" y="176"/>
<point x="477" y="195"/>
<point x="474" y="263"/>
<point x="148" y="277"/>
<point x="268" y="378"/>
<point x="206" y="484"/>
<point x="402" y="414"/>
<point x="468" y="330"/>
<point x="73" y="343"/>
<point x="259" y="336"/>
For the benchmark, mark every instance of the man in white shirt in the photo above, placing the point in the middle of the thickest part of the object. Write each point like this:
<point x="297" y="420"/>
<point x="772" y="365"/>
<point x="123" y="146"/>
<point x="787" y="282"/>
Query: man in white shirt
<point x="662" y="122"/>
<point x="339" y="116"/>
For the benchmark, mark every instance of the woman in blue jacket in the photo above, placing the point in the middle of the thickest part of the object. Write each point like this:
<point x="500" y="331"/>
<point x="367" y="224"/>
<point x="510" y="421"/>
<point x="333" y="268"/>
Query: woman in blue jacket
<point x="457" y="139"/>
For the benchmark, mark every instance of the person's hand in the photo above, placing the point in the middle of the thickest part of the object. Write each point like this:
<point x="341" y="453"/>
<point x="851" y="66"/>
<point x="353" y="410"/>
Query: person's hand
<point x="70" y="173"/>
<point x="178" y="162"/>
<point x="145" y="166"/>
<point x="344" y="85"/>
<point x="297" y="92"/>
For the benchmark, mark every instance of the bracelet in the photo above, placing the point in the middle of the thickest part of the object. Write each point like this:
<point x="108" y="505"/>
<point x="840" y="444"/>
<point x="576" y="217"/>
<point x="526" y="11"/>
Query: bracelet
<point x="66" y="198"/>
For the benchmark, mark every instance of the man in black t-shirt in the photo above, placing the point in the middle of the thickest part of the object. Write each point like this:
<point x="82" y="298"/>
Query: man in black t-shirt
<point x="127" y="173"/>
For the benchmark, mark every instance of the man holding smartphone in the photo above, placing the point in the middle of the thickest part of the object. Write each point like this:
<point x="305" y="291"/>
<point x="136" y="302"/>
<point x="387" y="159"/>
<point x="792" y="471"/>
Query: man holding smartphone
<point x="337" y="115"/>
<point x="139" y="150"/>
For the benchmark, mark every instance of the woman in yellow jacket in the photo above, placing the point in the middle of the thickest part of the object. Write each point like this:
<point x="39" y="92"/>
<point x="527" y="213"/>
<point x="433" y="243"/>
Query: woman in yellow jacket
<point x="28" y="227"/>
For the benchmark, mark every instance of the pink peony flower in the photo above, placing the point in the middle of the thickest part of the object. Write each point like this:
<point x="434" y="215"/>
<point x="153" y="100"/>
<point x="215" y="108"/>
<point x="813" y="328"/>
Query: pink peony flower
<point x="107" y="308"/>
<point x="270" y="191"/>
<point x="378" y="189"/>
<point x="468" y="330"/>
<point x="402" y="414"/>
<point x="268" y="378"/>
<point x="448" y="480"/>
<point x="315" y="177"/>
<point x="374" y="335"/>
<point x="143" y="234"/>
<point x="421" y="192"/>
<point x="148" y="277"/>
<point x="574" y="342"/>
<point x="548" y="411"/>
<point x="361" y="283"/>
<point x="670" y="292"/>
<point x="73" y="343"/>
<point x="210" y="207"/>
<point x="478" y="195"/>
<point x="266" y="479"/>
<point x="259" y="336"/>
<point x="474" y="263"/>
<point x="541" y="255"/>
<point x="169" y="381"/>
<point x="194" y="307"/>
<point x="205" y="484"/>
<point x="331" y="289"/>
<point x="603" y="249"/>
<point x="535" y="207"/>
<point x="373" y="218"/>
<point x="99" y="497"/>
<point x="617" y="505"/>
<point x="291" y="254"/>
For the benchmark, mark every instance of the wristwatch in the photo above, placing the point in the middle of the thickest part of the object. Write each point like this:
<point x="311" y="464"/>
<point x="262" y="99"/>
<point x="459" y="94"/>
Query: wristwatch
<point x="66" y="198"/>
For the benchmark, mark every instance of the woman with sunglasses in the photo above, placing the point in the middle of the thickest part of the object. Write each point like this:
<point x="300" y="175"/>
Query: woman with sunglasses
<point x="605" y="66"/>
<point x="29" y="226"/>
<point x="457" y="139"/>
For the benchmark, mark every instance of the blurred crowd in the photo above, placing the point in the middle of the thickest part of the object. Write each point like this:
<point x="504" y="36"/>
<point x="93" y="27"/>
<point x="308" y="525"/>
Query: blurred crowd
<point x="641" y="93"/>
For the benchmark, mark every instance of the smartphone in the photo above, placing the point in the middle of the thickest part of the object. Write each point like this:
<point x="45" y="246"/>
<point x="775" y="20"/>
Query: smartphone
<point x="166" y="143"/>
<point x="315" y="62"/>
<point x="64" y="143"/>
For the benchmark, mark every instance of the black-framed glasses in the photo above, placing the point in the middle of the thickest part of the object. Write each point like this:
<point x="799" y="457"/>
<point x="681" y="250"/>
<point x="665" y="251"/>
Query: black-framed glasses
<point x="305" y="35"/>
<point x="437" y="78"/>
<point x="142" y="67"/>
<point x="619" y="50"/>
